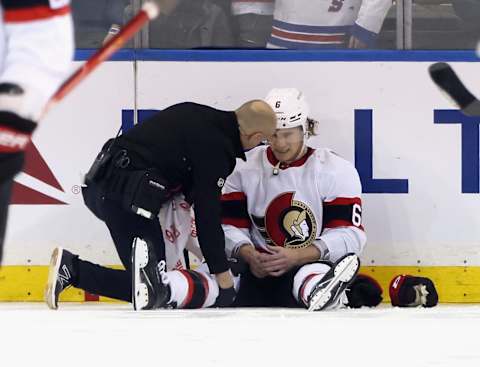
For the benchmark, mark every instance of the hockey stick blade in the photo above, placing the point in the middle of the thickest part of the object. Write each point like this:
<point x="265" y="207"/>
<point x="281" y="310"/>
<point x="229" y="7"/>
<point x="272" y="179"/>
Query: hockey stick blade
<point x="447" y="80"/>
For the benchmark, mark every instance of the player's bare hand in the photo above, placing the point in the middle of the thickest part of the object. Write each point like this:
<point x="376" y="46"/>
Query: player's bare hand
<point x="279" y="261"/>
<point x="253" y="258"/>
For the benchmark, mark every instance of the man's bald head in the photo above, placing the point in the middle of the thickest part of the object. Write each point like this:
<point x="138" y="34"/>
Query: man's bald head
<point x="257" y="122"/>
<point x="256" y="116"/>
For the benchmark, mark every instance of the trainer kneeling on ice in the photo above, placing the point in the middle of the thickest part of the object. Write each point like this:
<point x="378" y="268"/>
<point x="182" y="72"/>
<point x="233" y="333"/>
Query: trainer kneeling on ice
<point x="292" y="214"/>
<point x="187" y="149"/>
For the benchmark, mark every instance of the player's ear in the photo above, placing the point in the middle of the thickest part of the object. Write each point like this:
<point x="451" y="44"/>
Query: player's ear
<point x="258" y="137"/>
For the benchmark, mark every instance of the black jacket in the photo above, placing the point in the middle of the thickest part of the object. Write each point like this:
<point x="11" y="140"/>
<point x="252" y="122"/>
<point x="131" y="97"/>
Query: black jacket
<point x="194" y="146"/>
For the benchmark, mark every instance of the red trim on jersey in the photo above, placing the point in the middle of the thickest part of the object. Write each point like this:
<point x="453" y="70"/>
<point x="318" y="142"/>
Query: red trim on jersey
<point x="205" y="286"/>
<point x="34" y="13"/>
<point x="341" y="223"/>
<point x="299" y="162"/>
<point x="191" y="285"/>
<point x="294" y="36"/>
<point x="237" y="222"/>
<point x="231" y="196"/>
<point x="334" y="223"/>
<point x="344" y="201"/>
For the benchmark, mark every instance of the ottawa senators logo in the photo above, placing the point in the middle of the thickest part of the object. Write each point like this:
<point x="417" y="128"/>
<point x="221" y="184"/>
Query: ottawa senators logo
<point x="287" y="223"/>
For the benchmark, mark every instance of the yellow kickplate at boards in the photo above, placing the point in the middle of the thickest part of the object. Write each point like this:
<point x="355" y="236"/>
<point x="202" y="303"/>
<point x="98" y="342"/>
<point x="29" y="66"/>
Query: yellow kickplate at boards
<point x="27" y="283"/>
<point x="455" y="284"/>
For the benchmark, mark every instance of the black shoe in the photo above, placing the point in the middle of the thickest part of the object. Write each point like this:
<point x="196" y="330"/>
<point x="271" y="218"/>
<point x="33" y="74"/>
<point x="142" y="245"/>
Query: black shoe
<point x="148" y="288"/>
<point x="60" y="276"/>
<point x="329" y="292"/>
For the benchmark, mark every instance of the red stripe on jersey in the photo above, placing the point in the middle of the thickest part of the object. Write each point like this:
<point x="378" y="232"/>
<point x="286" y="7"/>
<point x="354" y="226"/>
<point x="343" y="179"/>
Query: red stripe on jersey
<point x="34" y="13"/>
<point x="236" y="222"/>
<point x="191" y="285"/>
<point x="344" y="201"/>
<point x="341" y="223"/>
<point x="236" y="195"/>
<point x="307" y="37"/>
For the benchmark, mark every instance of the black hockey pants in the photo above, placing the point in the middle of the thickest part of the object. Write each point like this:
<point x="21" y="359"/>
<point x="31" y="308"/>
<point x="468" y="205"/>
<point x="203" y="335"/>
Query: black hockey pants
<point x="124" y="226"/>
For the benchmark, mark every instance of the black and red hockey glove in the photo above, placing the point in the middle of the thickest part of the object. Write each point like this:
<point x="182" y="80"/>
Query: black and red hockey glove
<point x="15" y="133"/>
<point x="411" y="291"/>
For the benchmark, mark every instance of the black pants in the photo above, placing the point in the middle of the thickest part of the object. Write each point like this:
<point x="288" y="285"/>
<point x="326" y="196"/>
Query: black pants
<point x="266" y="292"/>
<point x="5" y="192"/>
<point x="124" y="226"/>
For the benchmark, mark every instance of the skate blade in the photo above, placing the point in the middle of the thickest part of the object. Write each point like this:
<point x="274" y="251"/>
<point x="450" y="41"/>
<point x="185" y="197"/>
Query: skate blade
<point x="140" y="297"/>
<point x="344" y="272"/>
<point x="140" y="249"/>
<point x="54" y="268"/>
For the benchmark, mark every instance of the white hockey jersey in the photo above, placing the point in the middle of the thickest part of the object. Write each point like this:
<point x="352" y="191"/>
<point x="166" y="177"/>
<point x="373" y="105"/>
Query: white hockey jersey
<point x="179" y="233"/>
<point x="36" y="50"/>
<point x="313" y="201"/>
<point x="326" y="23"/>
<point x="261" y="7"/>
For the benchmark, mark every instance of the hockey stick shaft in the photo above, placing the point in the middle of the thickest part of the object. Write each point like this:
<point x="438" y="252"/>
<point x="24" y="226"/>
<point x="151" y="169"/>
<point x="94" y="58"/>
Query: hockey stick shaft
<point x="148" y="12"/>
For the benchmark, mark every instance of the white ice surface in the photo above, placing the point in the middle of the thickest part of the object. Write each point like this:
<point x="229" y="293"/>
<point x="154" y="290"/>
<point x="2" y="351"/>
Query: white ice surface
<point x="113" y="335"/>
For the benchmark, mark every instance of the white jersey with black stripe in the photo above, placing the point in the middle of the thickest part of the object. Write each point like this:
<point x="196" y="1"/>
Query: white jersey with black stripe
<point x="315" y="198"/>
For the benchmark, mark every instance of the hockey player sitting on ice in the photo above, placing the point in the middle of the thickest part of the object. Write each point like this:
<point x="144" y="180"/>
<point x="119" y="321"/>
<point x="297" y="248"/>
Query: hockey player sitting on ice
<point x="327" y="23"/>
<point x="292" y="213"/>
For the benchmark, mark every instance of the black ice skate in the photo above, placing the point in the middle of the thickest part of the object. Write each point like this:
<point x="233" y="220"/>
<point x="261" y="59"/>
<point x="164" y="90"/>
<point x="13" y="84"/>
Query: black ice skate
<point x="148" y="288"/>
<point x="60" y="276"/>
<point x="330" y="290"/>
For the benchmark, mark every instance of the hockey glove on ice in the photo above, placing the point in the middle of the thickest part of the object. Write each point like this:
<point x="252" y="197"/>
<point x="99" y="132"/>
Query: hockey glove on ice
<point x="410" y="291"/>
<point x="364" y="291"/>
